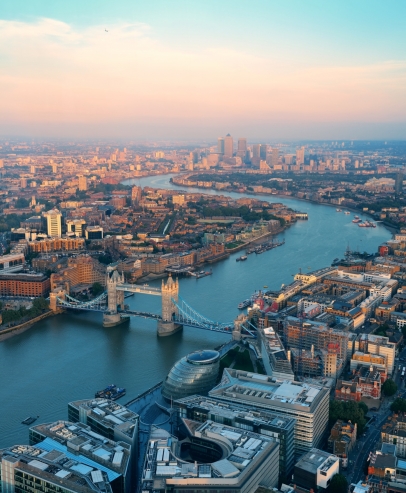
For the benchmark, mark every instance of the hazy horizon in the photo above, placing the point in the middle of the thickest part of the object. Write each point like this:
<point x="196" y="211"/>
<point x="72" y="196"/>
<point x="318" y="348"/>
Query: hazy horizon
<point x="180" y="70"/>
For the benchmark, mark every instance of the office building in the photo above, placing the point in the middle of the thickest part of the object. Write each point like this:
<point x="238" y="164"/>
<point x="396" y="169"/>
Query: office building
<point x="274" y="357"/>
<point x="261" y="421"/>
<point x="94" y="233"/>
<point x="220" y="146"/>
<point x="54" y="223"/>
<point x="50" y="467"/>
<point x="213" y="457"/>
<point x="256" y="151"/>
<point x="108" y="418"/>
<point x="380" y="345"/>
<point x="79" y="439"/>
<point x="195" y="373"/>
<point x="263" y="149"/>
<point x="228" y="146"/>
<point x="300" y="156"/>
<point x="242" y="147"/>
<point x="82" y="180"/>
<point x="315" y="470"/>
<point x="75" y="226"/>
<point x="399" y="183"/>
<point x="307" y="403"/>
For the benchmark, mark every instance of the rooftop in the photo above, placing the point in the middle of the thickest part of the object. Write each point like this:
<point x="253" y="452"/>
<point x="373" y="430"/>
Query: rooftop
<point x="263" y="389"/>
<point x="315" y="460"/>
<point x="52" y="462"/>
<point x="110" y="413"/>
<point x="79" y="438"/>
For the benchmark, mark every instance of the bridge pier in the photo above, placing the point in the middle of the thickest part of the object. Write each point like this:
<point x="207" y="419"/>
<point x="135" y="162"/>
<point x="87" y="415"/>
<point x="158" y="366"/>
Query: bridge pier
<point x="113" y="319"/>
<point x="167" y="328"/>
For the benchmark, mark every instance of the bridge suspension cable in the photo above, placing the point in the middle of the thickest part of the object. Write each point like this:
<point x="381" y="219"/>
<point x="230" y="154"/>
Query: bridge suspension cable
<point x="187" y="315"/>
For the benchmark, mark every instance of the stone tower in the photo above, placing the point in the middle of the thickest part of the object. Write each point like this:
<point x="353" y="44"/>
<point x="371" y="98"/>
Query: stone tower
<point x="114" y="298"/>
<point x="170" y="291"/>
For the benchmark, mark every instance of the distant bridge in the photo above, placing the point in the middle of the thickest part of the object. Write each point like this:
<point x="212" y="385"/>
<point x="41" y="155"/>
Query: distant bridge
<point x="175" y="313"/>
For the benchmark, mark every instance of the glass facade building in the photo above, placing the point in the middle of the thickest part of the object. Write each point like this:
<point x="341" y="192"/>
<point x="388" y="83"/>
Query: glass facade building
<point x="195" y="373"/>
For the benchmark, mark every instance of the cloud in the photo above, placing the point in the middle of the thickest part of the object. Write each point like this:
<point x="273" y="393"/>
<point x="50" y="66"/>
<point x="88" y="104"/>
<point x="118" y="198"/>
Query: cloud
<point x="55" y="74"/>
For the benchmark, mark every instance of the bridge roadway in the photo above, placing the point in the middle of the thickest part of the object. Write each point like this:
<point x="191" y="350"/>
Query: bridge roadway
<point x="133" y="288"/>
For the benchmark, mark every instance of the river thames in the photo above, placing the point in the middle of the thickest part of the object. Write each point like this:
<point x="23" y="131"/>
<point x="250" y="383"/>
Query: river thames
<point x="70" y="356"/>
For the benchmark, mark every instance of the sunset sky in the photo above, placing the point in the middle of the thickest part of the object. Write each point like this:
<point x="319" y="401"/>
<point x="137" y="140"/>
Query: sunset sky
<point x="302" y="69"/>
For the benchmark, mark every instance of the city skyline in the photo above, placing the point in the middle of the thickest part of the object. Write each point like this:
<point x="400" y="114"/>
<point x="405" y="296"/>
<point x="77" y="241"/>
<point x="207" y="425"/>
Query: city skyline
<point x="290" y="71"/>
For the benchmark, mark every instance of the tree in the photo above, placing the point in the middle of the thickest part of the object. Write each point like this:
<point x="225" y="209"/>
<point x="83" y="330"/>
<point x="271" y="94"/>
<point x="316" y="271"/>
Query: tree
<point x="348" y="411"/>
<point x="389" y="387"/>
<point x="398" y="405"/>
<point x="338" y="484"/>
<point x="21" y="203"/>
<point x="97" y="288"/>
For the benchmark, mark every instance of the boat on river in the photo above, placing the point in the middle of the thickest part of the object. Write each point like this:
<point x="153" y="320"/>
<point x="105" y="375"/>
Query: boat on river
<point x="111" y="392"/>
<point x="29" y="420"/>
<point x="241" y="259"/>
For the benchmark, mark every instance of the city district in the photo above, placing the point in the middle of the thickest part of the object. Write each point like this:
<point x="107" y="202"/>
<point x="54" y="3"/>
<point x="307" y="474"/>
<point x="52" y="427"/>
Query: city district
<point x="308" y="392"/>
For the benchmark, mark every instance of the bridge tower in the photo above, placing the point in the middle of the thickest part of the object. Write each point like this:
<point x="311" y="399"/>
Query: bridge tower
<point x="170" y="291"/>
<point x="115" y="299"/>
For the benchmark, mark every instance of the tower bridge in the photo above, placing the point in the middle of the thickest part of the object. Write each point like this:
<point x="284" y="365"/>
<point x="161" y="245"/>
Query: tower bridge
<point x="175" y="312"/>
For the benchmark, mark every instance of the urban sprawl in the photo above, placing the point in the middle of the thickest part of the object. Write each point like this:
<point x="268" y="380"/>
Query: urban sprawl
<point x="307" y="395"/>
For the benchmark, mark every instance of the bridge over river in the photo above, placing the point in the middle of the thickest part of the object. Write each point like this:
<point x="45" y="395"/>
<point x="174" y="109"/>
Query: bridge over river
<point x="175" y="312"/>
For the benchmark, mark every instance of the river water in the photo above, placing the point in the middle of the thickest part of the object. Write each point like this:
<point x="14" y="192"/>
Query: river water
<point x="70" y="356"/>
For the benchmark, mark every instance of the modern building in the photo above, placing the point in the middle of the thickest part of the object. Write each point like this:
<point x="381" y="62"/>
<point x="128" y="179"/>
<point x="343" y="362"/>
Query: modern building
<point x="274" y="357"/>
<point x="380" y="345"/>
<point x="306" y="403"/>
<point x="107" y="418"/>
<point x="228" y="146"/>
<point x="213" y="457"/>
<point x="242" y="147"/>
<point x="50" y="467"/>
<point x="261" y="421"/>
<point x="300" y="156"/>
<point x="94" y="233"/>
<point x="195" y="373"/>
<point x="79" y="439"/>
<point x="220" y="146"/>
<point x="315" y="470"/>
<point x="54" y="223"/>
<point x="75" y="226"/>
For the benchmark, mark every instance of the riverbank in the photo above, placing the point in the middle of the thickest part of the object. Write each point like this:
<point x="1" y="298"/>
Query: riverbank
<point x="19" y="329"/>
<point x="392" y="229"/>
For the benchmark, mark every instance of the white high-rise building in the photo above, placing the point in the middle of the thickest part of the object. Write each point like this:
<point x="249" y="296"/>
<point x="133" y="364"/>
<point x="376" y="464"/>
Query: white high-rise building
<point x="54" y="222"/>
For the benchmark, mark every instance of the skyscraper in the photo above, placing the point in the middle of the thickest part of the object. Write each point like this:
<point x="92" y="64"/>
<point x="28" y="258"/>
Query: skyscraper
<point x="54" y="222"/>
<point x="220" y="145"/>
<point x="399" y="182"/>
<point x="242" y="146"/>
<point x="228" y="146"/>
<point x="300" y="156"/>
<point x="256" y="151"/>
<point x="262" y="151"/>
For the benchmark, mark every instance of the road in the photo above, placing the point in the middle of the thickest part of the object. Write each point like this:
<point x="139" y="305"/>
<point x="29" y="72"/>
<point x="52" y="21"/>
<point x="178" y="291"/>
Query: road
<point x="365" y="445"/>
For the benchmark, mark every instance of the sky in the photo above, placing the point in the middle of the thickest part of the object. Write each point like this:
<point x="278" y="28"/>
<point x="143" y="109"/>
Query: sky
<point x="182" y="69"/>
